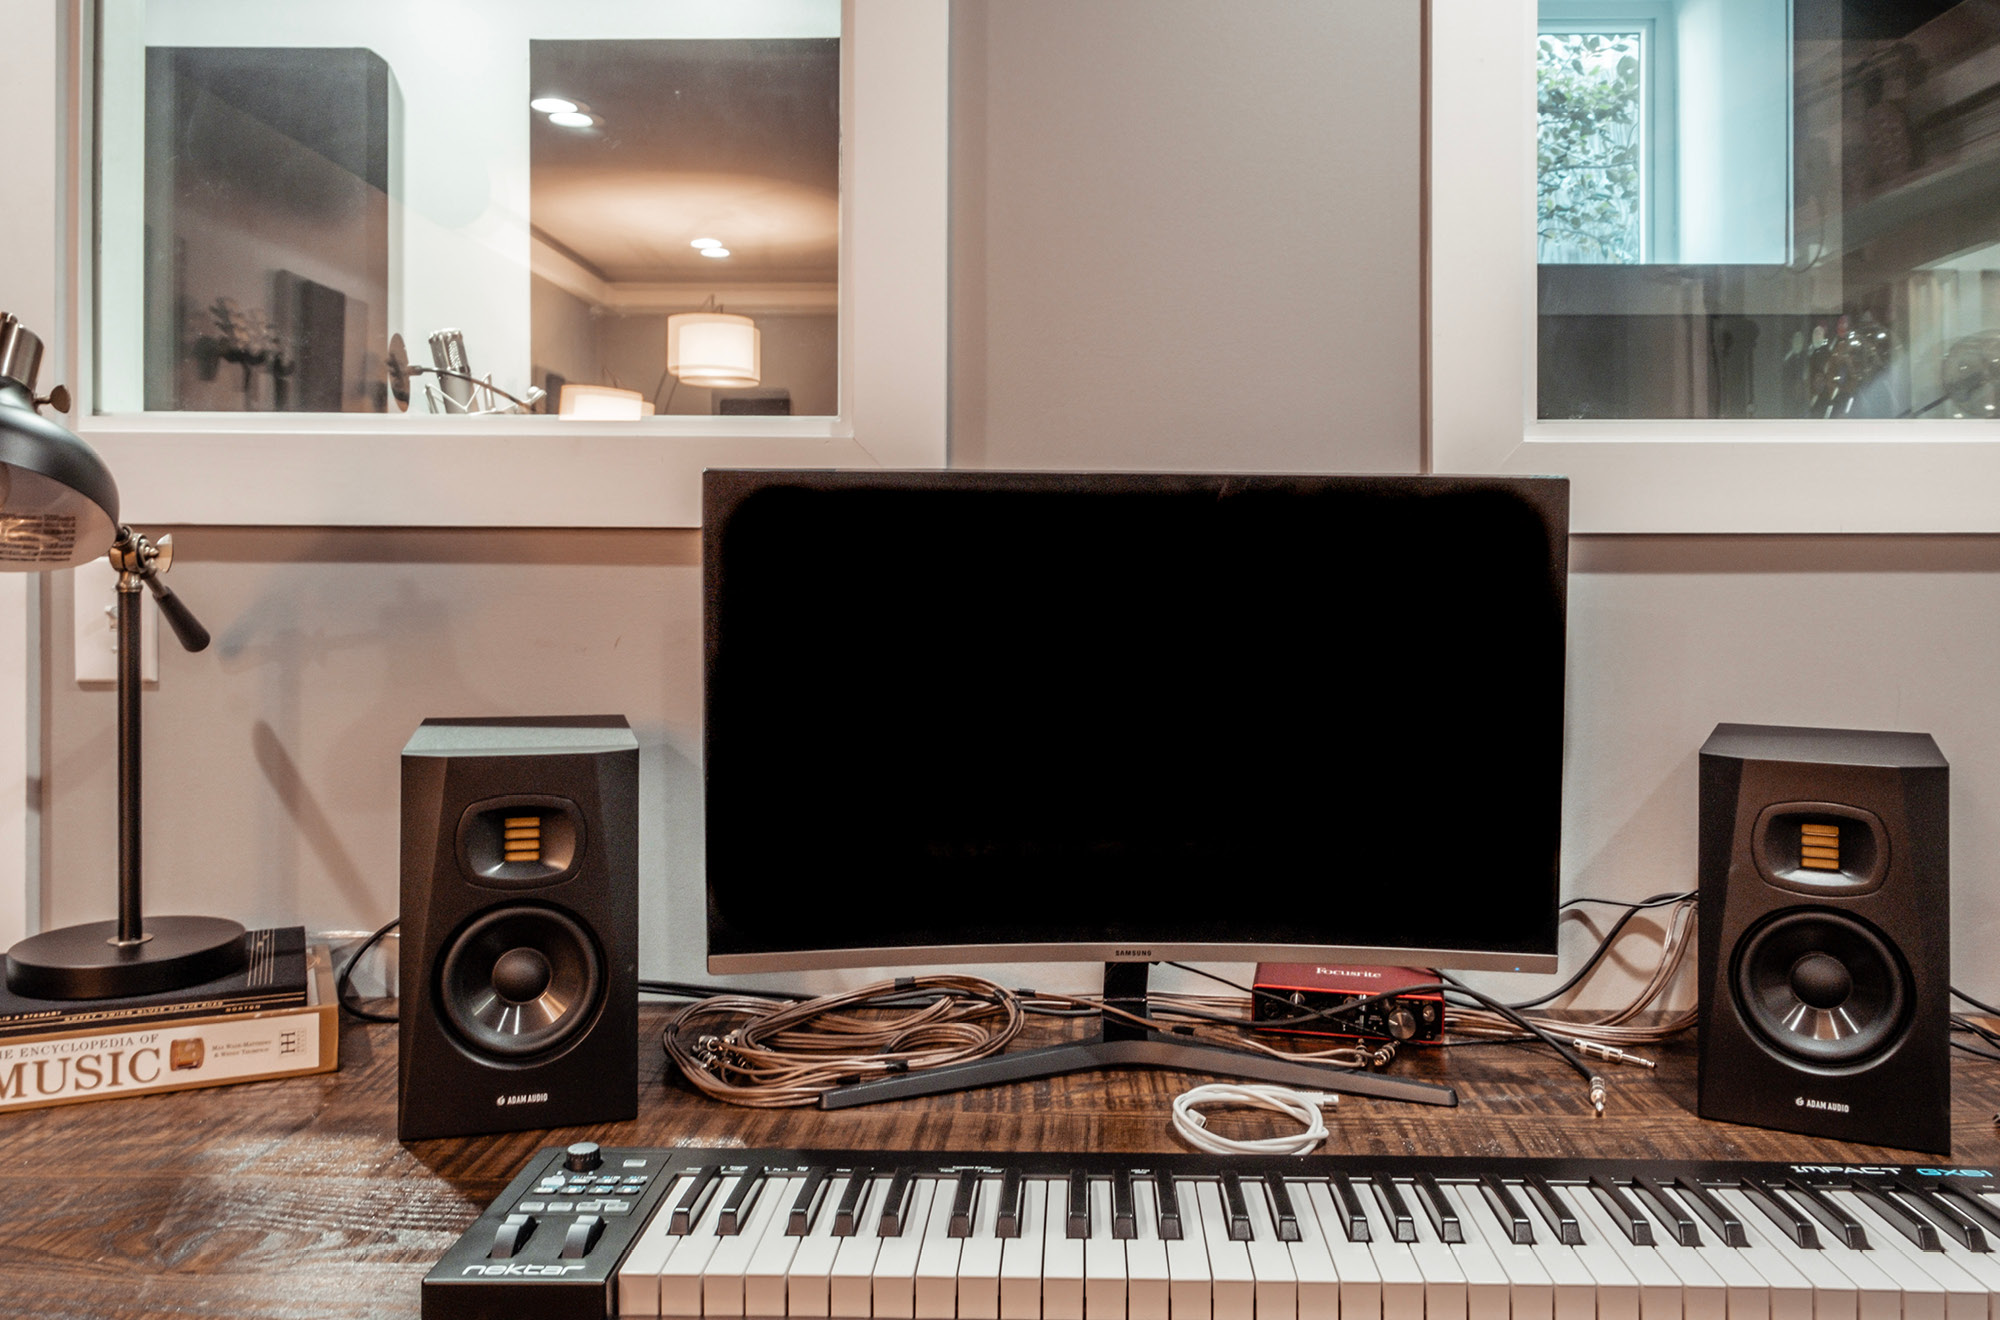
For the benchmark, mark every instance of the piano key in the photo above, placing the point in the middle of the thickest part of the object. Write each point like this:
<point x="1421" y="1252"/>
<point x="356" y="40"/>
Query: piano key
<point x="1007" y="1220"/>
<point x="1875" y="1295"/>
<point x="1148" y="1284"/>
<point x="1791" y="1287"/>
<point x="1077" y="1225"/>
<point x="943" y="1238"/>
<point x="1507" y="1209"/>
<point x="806" y="1202"/>
<point x="639" y="1273"/>
<point x="1347" y="1204"/>
<point x="853" y="1203"/>
<point x="1675" y="1219"/>
<point x="1234" y="1203"/>
<point x="1972" y="1203"/>
<point x="1360" y="1279"/>
<point x="1704" y="1290"/>
<point x="765" y="1277"/>
<point x="1395" y="1211"/>
<point x="1844" y="1228"/>
<point x="897" y="1207"/>
<point x="808" y="1282"/>
<point x="1021" y="1253"/>
<point x="1282" y="1213"/>
<point x="1277" y="1288"/>
<point x="1925" y="1297"/>
<point x="1312" y="1262"/>
<point x="693" y="1194"/>
<point x="1122" y="1225"/>
<point x="741" y="1198"/>
<point x="723" y="1280"/>
<point x="1103" y="1259"/>
<point x="851" y="1281"/>
<point x="1620" y="1212"/>
<point x="1721" y="1221"/>
<point x="1790" y="1221"/>
<point x="1832" y="1292"/>
<point x="895" y="1274"/>
<point x="1618" y="1294"/>
<point x="1402" y="1281"/>
<point x="979" y="1258"/>
<point x="1444" y="1215"/>
<point x="1983" y="1266"/>
<point x="1530" y="1290"/>
<point x="1896" y="1214"/>
<point x="1950" y="1221"/>
<point x="1232" y="1284"/>
<point x="1188" y="1275"/>
<point x="1062" y="1253"/>
<point x="1662" y="1294"/>
<point x="1448" y="1290"/>
<point x="681" y="1274"/>
<point x="1167" y="1189"/>
<point x="1555" y="1211"/>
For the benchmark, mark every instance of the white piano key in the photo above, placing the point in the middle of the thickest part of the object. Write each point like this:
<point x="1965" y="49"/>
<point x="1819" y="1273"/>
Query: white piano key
<point x="1360" y="1278"/>
<point x="1617" y="1286"/>
<point x="765" y="1277"/>
<point x="1021" y="1256"/>
<point x="723" y="1282"/>
<point x="1062" y="1258"/>
<point x="896" y="1260"/>
<point x="850" y="1284"/>
<point x="1270" y="1259"/>
<point x="1485" y="1283"/>
<point x="1312" y="1261"/>
<point x="938" y="1262"/>
<point x="1147" y="1282"/>
<point x="1660" y="1288"/>
<point x="1531" y="1294"/>
<point x="1189" y="1294"/>
<point x="1791" y="1291"/>
<point x="1447" y="1292"/>
<point x="1103" y="1259"/>
<point x="1964" y="1297"/>
<point x="979" y="1258"/>
<point x="808" y="1284"/>
<point x="1704" y="1289"/>
<point x="1232" y="1284"/>
<point x="1923" y="1298"/>
<point x="681" y="1275"/>
<point x="1402" y="1281"/>
<point x="639" y="1273"/>
<point x="1877" y="1295"/>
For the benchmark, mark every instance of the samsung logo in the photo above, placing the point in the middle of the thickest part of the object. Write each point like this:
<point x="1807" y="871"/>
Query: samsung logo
<point x="530" y="1098"/>
<point x="1830" y="1106"/>
<point x="1131" y="953"/>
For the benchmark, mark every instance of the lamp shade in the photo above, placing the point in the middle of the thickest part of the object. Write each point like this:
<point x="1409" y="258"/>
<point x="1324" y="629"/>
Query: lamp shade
<point x="714" y="349"/>
<point x="58" y="503"/>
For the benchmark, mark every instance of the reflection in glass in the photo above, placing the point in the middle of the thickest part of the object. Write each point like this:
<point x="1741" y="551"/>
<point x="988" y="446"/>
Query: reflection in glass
<point x="1820" y="238"/>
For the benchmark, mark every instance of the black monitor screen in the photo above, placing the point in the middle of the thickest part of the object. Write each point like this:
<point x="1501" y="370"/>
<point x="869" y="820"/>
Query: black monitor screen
<point x="977" y="717"/>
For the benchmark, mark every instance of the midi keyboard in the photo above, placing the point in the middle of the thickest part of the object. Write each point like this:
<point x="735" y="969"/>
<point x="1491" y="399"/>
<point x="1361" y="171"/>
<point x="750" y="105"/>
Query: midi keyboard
<point x="903" y="1235"/>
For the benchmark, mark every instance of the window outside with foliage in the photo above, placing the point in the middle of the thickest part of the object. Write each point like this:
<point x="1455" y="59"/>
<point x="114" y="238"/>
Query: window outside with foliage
<point x="1588" y="162"/>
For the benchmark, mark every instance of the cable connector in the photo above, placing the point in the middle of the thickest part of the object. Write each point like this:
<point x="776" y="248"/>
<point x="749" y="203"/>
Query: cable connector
<point x="1597" y="1093"/>
<point x="1610" y="1053"/>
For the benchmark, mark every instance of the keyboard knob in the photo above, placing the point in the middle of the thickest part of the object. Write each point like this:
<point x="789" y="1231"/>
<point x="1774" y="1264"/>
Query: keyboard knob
<point x="582" y="1157"/>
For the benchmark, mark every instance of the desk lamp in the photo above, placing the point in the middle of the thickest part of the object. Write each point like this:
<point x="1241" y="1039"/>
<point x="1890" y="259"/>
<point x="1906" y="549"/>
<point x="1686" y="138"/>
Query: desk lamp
<point x="58" y="509"/>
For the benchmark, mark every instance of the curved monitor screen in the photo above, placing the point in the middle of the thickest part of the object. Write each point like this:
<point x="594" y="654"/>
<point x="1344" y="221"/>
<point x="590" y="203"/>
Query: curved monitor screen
<point x="975" y="717"/>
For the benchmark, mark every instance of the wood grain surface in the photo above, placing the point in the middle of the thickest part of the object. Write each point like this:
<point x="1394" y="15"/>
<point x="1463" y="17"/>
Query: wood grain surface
<point x="293" y="1198"/>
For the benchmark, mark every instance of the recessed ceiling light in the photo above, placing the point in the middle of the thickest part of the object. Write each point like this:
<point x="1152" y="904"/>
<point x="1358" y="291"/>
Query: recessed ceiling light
<point x="715" y="252"/>
<point x="571" y="119"/>
<point x="705" y="243"/>
<point x="553" y="105"/>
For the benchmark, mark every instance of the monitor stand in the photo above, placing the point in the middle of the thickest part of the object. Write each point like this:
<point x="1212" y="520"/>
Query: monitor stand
<point x="1121" y="1043"/>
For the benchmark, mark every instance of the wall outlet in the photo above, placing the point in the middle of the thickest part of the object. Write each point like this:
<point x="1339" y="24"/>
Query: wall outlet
<point x="95" y="607"/>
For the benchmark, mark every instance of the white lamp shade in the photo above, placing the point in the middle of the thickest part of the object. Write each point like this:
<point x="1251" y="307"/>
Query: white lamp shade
<point x="714" y="349"/>
<point x="602" y="403"/>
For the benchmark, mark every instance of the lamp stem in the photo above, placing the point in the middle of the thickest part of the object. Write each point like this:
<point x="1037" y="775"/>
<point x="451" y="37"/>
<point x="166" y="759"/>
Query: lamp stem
<point x="131" y="922"/>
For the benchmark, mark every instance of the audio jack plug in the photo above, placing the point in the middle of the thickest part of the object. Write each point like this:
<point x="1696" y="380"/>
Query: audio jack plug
<point x="1597" y="1093"/>
<point x="1611" y="1053"/>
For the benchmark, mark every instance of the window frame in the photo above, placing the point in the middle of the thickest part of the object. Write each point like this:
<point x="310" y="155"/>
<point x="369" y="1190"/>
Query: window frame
<point x="415" y="470"/>
<point x="1659" y="219"/>
<point x="1921" y="475"/>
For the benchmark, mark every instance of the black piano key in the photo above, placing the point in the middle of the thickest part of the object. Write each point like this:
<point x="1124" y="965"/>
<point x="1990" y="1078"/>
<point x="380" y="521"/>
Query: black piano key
<point x="962" y="1203"/>
<point x="1673" y="1216"/>
<point x="689" y="1207"/>
<point x="1882" y="1197"/>
<point x="1946" y="1216"/>
<point x="1631" y="1220"/>
<point x="853" y="1200"/>
<point x="896" y="1203"/>
<point x="1721" y="1220"/>
<point x="1833" y="1217"/>
<point x="1353" y="1219"/>
<point x="1078" y="1223"/>
<point x="799" y="1221"/>
<point x="1007" y="1216"/>
<point x="1235" y="1206"/>
<point x="1972" y="1206"/>
<point x="1513" y="1219"/>
<point x="1444" y="1215"/>
<point x="742" y="1198"/>
<point x="1561" y="1219"/>
<point x="1402" y="1227"/>
<point x="1170" y="1206"/>
<point x="1282" y="1213"/>
<point x="1783" y="1213"/>
<point x="1124" y="1223"/>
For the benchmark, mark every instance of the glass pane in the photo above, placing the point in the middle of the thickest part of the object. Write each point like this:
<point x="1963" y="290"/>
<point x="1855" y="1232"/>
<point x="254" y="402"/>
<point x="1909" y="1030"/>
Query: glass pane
<point x="518" y="194"/>
<point x="1813" y="189"/>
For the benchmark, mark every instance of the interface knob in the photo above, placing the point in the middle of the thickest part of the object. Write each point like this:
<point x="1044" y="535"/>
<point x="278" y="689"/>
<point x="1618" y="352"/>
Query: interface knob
<point x="1402" y="1022"/>
<point x="582" y="1157"/>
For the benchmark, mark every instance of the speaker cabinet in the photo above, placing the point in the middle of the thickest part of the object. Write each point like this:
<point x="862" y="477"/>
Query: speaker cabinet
<point x="520" y="900"/>
<point x="1825" y="928"/>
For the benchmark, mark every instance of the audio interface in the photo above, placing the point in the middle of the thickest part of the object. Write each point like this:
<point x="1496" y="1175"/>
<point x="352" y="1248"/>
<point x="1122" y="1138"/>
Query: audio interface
<point x="1290" y="993"/>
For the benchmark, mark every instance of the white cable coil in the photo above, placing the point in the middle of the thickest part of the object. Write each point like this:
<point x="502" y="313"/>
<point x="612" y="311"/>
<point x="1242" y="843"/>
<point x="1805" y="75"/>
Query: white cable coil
<point x="1306" y="1106"/>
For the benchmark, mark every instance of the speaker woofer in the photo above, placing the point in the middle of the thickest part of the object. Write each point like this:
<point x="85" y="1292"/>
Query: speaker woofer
<point x="519" y="981"/>
<point x="1822" y="987"/>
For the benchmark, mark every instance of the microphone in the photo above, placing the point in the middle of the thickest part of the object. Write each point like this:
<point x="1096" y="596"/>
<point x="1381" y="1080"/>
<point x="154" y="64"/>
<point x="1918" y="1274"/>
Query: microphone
<point x="448" y="353"/>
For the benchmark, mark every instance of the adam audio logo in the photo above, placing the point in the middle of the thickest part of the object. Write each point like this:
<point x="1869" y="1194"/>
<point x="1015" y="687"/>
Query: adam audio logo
<point x="1830" y="1106"/>
<point x="526" y="1098"/>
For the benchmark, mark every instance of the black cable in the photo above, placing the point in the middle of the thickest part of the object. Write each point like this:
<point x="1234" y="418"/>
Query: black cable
<point x="1978" y="1053"/>
<point x="342" y="988"/>
<point x="1967" y="1024"/>
<point x="1987" y="1009"/>
<point x="1569" y="1056"/>
<point x="1603" y="945"/>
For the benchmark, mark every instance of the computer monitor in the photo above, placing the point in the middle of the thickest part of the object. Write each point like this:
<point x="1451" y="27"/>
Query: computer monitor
<point x="967" y="717"/>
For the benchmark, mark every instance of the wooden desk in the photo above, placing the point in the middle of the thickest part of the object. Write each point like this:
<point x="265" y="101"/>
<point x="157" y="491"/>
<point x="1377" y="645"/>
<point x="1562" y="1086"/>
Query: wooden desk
<point x="293" y="1198"/>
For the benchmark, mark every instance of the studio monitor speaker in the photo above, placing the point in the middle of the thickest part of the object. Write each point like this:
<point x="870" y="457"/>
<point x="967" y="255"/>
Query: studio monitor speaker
<point x="520" y="908"/>
<point x="1825" y="927"/>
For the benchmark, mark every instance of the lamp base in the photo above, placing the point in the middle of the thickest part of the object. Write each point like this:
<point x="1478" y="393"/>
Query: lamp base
<point x="84" y="962"/>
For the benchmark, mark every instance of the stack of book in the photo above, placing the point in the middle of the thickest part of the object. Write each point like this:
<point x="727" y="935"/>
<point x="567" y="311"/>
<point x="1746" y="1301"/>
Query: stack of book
<point x="275" y="1018"/>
